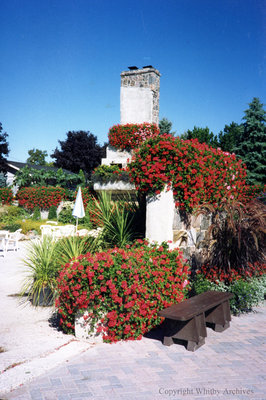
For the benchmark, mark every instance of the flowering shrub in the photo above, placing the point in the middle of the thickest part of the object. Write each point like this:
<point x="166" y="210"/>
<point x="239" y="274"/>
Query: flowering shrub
<point x="131" y="136"/>
<point x="42" y="197"/>
<point x="214" y="275"/>
<point x="109" y="173"/>
<point x="123" y="288"/>
<point x="6" y="195"/>
<point x="197" y="173"/>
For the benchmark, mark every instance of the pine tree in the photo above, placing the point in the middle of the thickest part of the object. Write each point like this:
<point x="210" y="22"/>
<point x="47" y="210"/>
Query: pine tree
<point x="4" y="150"/>
<point x="230" y="136"/>
<point x="202" y="134"/>
<point x="165" y="126"/>
<point x="252" y="146"/>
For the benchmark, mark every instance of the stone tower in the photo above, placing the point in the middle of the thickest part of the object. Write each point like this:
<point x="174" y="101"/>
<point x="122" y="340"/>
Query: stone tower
<point x="139" y="95"/>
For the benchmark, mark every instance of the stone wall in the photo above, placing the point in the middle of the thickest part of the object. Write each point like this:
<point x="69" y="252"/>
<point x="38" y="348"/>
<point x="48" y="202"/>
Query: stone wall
<point x="139" y="96"/>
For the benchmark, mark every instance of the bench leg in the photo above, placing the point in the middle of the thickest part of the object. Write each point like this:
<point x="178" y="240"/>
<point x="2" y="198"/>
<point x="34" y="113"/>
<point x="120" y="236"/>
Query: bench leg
<point x="221" y="328"/>
<point x="168" y="341"/>
<point x="193" y="331"/>
<point x="220" y="316"/>
<point x="193" y="346"/>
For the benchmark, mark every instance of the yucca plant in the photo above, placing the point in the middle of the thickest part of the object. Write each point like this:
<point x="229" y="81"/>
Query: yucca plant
<point x="42" y="271"/>
<point x="116" y="218"/>
<point x="236" y="237"/>
<point x="73" y="246"/>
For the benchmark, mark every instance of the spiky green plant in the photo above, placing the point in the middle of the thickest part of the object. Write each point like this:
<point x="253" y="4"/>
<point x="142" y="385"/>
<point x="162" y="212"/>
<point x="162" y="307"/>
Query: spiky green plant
<point x="116" y="218"/>
<point x="42" y="269"/>
<point x="73" y="246"/>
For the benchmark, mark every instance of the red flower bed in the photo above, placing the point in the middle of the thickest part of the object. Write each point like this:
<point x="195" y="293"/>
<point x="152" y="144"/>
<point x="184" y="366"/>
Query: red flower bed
<point x="126" y="286"/>
<point x="42" y="197"/>
<point x="6" y="195"/>
<point x="131" y="136"/>
<point x="213" y="274"/>
<point x="197" y="172"/>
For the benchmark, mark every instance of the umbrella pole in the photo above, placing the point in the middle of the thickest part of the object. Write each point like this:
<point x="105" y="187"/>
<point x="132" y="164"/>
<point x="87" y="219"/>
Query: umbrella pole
<point x="77" y="224"/>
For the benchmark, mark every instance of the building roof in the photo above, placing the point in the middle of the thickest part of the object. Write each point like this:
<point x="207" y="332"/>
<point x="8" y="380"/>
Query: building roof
<point x="15" y="165"/>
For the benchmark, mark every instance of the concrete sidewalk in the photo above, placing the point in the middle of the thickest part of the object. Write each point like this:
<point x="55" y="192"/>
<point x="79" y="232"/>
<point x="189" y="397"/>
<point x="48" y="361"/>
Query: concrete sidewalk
<point x="231" y="365"/>
<point x="28" y="342"/>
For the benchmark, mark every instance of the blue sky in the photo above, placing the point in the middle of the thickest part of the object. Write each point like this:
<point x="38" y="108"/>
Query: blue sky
<point x="61" y="62"/>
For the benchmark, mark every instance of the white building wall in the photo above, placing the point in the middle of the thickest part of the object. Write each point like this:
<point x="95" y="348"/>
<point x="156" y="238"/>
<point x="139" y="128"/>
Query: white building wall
<point x="136" y="105"/>
<point x="159" y="217"/>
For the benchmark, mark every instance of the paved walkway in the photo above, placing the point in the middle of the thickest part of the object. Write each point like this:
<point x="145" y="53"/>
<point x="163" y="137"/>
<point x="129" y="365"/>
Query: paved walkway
<point x="40" y="363"/>
<point x="231" y="365"/>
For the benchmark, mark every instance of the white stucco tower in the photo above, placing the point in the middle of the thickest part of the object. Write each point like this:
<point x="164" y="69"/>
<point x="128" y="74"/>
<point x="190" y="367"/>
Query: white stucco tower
<point x="139" y="95"/>
<point x="139" y="102"/>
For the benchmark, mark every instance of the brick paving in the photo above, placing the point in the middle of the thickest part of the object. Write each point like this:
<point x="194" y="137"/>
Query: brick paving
<point x="231" y="365"/>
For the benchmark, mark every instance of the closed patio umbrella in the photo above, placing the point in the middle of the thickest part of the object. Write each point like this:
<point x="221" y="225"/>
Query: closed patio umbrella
<point x="78" y="210"/>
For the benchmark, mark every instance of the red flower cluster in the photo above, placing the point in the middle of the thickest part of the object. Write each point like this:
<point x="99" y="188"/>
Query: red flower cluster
<point x="42" y="197"/>
<point x="196" y="172"/>
<point x="6" y="195"/>
<point x="131" y="136"/>
<point x="123" y="288"/>
<point x="214" y="275"/>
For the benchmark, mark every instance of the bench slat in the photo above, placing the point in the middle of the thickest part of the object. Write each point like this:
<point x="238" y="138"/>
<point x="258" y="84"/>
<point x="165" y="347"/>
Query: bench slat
<point x="195" y="305"/>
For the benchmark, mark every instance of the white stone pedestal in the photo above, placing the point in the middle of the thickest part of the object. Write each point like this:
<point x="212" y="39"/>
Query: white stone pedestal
<point x="84" y="330"/>
<point x="159" y="217"/>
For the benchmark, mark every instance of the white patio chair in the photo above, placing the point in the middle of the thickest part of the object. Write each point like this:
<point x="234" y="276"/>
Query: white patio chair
<point x="69" y="230"/>
<point x="56" y="232"/>
<point x="46" y="230"/>
<point x="3" y="242"/>
<point x="13" y="239"/>
<point x="62" y="231"/>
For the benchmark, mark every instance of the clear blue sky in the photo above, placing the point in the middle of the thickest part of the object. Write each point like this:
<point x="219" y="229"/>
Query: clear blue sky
<point x="61" y="62"/>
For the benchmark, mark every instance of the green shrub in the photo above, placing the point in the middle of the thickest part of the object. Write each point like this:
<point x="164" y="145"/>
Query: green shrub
<point x="2" y="180"/>
<point x="247" y="293"/>
<point x="65" y="216"/>
<point x="109" y="173"/>
<point x="30" y="225"/>
<point x="36" y="214"/>
<point x="52" y="214"/>
<point x="124" y="288"/>
<point x="9" y="214"/>
<point x="12" y="227"/>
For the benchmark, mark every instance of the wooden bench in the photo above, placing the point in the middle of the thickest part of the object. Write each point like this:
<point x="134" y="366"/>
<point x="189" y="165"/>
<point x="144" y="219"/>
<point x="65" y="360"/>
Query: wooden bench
<point x="188" y="319"/>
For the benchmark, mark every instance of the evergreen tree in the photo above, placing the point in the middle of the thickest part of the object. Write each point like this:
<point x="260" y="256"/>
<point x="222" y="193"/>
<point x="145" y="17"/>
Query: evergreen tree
<point x="202" y="134"/>
<point x="252" y="146"/>
<point x="165" y="126"/>
<point x="4" y="150"/>
<point x="230" y="136"/>
<point x="2" y="180"/>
